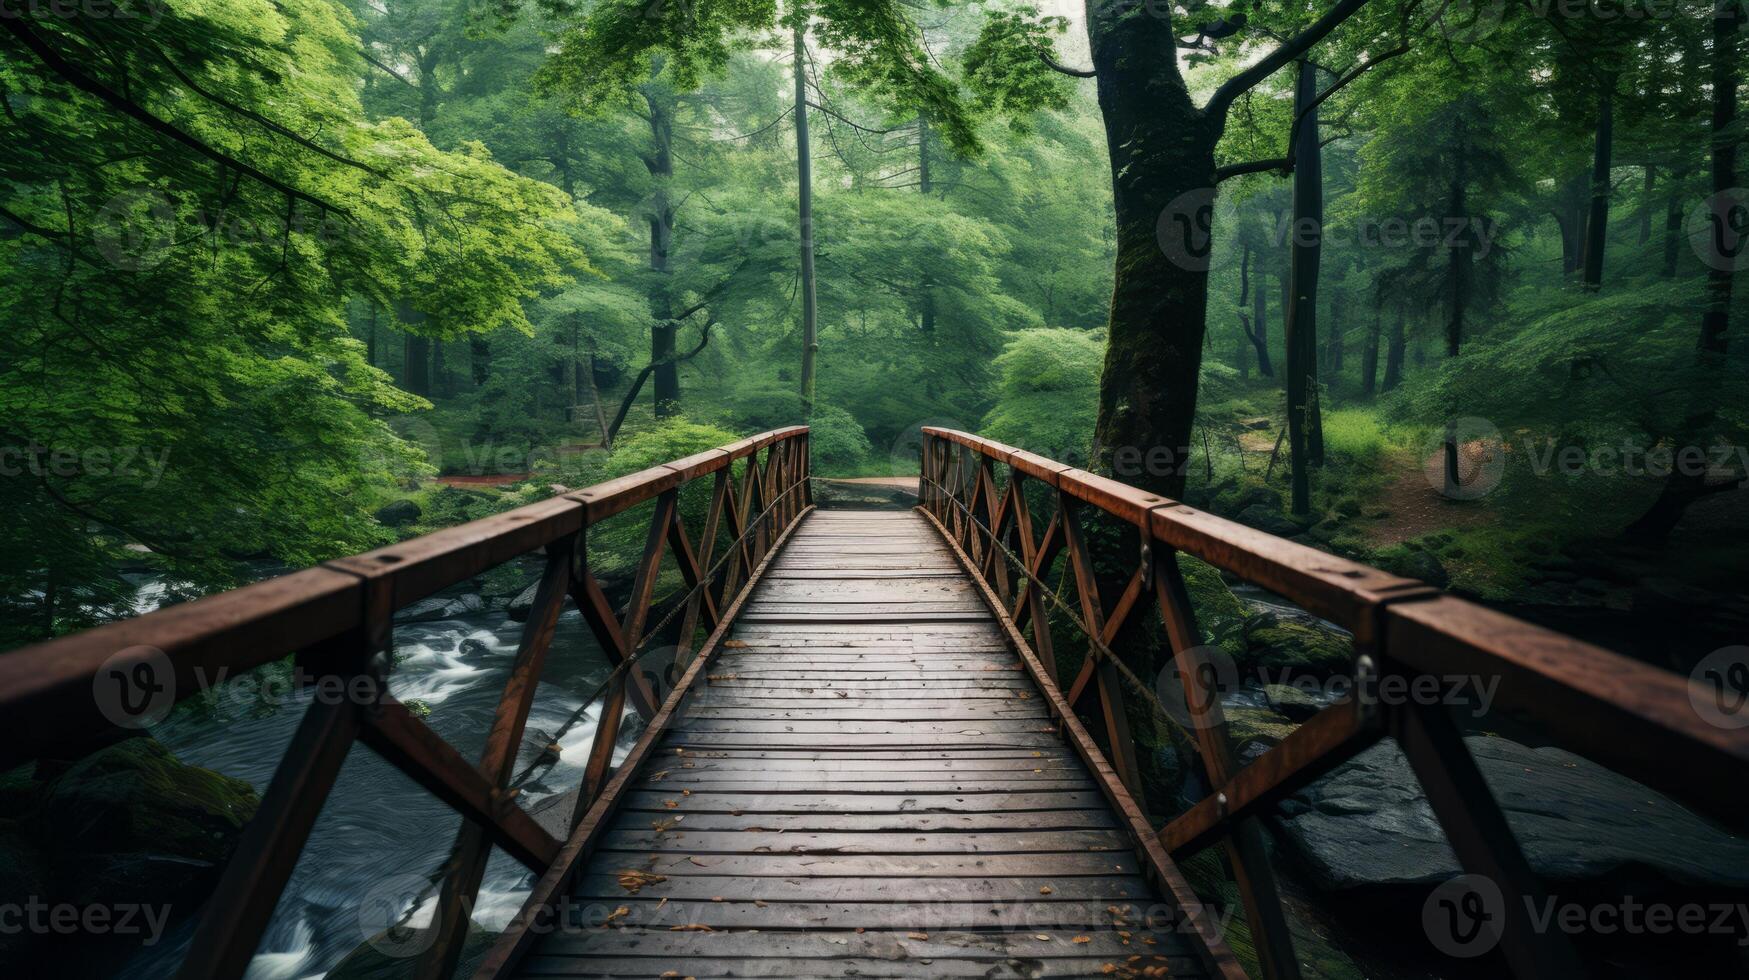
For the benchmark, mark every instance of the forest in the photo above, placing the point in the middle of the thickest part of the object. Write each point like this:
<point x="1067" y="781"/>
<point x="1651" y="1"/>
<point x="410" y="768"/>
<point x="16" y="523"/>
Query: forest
<point x="1448" y="287"/>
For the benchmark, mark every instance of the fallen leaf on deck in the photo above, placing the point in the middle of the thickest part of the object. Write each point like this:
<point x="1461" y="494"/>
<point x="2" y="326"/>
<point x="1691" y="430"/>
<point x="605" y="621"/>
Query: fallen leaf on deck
<point x="1044" y="890"/>
<point x="1082" y="939"/>
<point x="618" y="913"/>
<point x="735" y="644"/>
<point x="657" y="777"/>
<point x="919" y="936"/>
<point x="632" y="880"/>
<point x="670" y="804"/>
<point x="691" y="927"/>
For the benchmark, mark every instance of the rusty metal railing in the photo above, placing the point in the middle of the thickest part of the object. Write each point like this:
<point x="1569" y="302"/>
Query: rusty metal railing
<point x="337" y="618"/>
<point x="1634" y="718"/>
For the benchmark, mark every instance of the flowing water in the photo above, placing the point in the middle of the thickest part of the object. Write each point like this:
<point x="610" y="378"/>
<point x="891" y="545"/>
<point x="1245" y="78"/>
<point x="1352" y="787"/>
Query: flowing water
<point x="380" y="835"/>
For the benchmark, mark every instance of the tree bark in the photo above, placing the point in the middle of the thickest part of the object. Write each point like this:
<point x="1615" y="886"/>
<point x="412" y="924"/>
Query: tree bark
<point x="1646" y="203"/>
<point x="1394" y="353"/>
<point x="1161" y="151"/>
<point x="1672" y="231"/>
<point x="1305" y="247"/>
<point x="416" y="365"/>
<point x="805" y="226"/>
<point x="925" y="186"/>
<point x="1369" y="361"/>
<point x="1597" y="222"/>
<point x="479" y="358"/>
<point x="1260" y="328"/>
<point x="660" y="164"/>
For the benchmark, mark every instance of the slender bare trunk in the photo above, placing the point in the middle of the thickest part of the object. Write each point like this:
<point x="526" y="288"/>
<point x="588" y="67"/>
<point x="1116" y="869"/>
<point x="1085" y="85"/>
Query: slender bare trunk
<point x="805" y="215"/>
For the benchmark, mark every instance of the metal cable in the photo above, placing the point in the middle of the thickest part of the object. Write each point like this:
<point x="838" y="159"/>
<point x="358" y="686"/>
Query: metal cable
<point x="1096" y="647"/>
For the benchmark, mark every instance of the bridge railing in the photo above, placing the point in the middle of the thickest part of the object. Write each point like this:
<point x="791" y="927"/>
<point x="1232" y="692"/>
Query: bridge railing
<point x="337" y="619"/>
<point x="1637" y="719"/>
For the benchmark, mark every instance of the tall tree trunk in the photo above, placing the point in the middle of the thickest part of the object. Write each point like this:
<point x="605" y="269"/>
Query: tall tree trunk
<point x="1260" y="327"/>
<point x="439" y="376"/>
<point x="416" y="365"/>
<point x="1685" y="485"/>
<point x="1242" y="352"/>
<point x="660" y="164"/>
<point x="1305" y="246"/>
<point x="370" y="343"/>
<point x="1394" y="352"/>
<point x="1161" y="151"/>
<point x="1569" y="213"/>
<point x="1672" y="230"/>
<point x="479" y="358"/>
<point x="1646" y="203"/>
<point x="1597" y="222"/>
<point x="805" y="226"/>
<point x="926" y="187"/>
<point x="1458" y="258"/>
<point x="1369" y="361"/>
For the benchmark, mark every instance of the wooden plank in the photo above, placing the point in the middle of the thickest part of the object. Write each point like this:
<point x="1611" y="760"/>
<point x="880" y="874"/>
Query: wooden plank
<point x="842" y="944"/>
<point x="1004" y="820"/>
<point x="924" y="966"/>
<point x="776" y="842"/>
<point x="1031" y="916"/>
<point x="709" y="802"/>
<point x="1044" y="864"/>
<point x="537" y="911"/>
<point x="744" y="888"/>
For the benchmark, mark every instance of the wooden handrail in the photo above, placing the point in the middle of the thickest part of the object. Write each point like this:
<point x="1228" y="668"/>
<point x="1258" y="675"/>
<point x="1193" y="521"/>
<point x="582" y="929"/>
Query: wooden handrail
<point x="1630" y="716"/>
<point x="338" y="619"/>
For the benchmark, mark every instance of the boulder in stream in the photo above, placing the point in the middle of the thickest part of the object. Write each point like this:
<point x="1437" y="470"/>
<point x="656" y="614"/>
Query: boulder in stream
<point x="1367" y="823"/>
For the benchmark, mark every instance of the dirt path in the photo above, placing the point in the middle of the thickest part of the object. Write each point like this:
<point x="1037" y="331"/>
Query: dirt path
<point x="1415" y="507"/>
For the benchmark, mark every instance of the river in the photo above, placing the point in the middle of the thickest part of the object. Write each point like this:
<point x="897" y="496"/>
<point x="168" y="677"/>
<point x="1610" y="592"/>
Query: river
<point x="378" y="828"/>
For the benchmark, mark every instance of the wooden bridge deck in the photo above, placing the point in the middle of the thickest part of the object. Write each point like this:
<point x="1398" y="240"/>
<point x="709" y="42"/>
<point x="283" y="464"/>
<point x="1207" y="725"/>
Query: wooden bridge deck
<point x="869" y="785"/>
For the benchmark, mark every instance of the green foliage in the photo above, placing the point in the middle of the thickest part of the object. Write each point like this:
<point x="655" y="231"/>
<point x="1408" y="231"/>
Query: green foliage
<point x="1005" y="67"/>
<point x="835" y="440"/>
<point x="1047" y="392"/>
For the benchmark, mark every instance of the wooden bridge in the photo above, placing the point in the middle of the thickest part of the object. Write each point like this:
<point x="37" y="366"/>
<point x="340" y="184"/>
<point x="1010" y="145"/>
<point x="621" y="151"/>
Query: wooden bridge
<point x="871" y="765"/>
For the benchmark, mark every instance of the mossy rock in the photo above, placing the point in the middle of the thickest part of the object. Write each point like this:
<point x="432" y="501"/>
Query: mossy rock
<point x="1220" y="614"/>
<point x="1347" y="507"/>
<point x="1303" y="649"/>
<point x="131" y="822"/>
<point x="1414" y="563"/>
<point x="1254" y="729"/>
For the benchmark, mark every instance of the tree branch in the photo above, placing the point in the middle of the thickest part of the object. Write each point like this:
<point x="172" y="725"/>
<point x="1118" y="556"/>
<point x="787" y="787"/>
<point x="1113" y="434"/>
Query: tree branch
<point x="625" y="404"/>
<point x="1282" y="165"/>
<point x="1056" y="66"/>
<point x="71" y="74"/>
<point x="263" y="121"/>
<point x="397" y="76"/>
<point x="834" y="115"/>
<point x="1270" y="63"/>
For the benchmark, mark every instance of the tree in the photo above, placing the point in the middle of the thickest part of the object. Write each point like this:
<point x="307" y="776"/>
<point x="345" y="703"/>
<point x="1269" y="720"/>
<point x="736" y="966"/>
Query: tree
<point x="1163" y="159"/>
